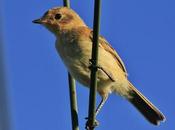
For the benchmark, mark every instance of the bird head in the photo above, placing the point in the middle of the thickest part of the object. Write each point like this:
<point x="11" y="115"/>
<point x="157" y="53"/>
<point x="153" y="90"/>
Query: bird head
<point x="59" y="19"/>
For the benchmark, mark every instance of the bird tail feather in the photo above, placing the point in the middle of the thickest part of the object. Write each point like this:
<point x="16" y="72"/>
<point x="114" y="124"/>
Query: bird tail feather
<point x="145" y="107"/>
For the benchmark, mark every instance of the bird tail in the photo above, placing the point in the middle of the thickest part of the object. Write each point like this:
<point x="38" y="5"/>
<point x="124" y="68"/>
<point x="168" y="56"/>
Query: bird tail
<point x="146" y="108"/>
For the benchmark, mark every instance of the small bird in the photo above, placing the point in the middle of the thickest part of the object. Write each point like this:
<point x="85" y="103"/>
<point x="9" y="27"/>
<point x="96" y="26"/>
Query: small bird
<point x="74" y="45"/>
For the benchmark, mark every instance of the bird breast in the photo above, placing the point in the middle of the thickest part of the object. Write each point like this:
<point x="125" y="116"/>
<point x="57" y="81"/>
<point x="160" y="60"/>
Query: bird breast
<point x="76" y="59"/>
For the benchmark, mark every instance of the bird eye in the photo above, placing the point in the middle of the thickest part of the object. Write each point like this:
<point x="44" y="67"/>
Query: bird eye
<point x="58" y="16"/>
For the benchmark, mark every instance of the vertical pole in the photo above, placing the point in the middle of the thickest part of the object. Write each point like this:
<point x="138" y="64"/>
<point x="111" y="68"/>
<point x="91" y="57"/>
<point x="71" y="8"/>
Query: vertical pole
<point x="94" y="59"/>
<point x="73" y="102"/>
<point x="72" y="91"/>
<point x="66" y="3"/>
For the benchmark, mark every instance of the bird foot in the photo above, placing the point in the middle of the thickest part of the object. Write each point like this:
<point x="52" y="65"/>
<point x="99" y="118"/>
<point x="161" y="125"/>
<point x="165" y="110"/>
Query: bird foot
<point x="91" y="65"/>
<point x="89" y="124"/>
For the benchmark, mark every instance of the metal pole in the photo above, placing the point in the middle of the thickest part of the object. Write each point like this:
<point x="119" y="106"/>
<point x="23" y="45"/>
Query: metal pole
<point x="94" y="59"/>
<point x="72" y="91"/>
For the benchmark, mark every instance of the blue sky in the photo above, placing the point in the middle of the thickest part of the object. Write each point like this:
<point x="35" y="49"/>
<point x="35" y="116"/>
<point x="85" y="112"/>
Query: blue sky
<point x="143" y="33"/>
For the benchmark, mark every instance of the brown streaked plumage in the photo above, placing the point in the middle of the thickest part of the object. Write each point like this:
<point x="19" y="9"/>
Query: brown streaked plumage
<point x="74" y="45"/>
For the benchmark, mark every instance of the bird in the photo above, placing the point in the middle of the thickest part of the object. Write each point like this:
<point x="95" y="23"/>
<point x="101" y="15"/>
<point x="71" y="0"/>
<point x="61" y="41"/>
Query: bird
<point x="74" y="41"/>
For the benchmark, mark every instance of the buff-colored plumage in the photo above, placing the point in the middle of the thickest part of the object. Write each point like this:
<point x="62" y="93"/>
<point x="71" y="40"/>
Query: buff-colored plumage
<point x="74" y="45"/>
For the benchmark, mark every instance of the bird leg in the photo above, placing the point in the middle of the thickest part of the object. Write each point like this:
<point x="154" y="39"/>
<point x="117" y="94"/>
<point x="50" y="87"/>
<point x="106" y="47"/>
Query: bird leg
<point x="102" y="102"/>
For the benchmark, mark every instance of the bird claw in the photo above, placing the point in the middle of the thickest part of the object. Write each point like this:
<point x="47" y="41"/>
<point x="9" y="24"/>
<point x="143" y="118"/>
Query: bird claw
<point x="91" y="65"/>
<point x="88" y="124"/>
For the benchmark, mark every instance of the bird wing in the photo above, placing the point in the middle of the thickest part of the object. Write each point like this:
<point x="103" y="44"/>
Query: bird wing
<point x="105" y="45"/>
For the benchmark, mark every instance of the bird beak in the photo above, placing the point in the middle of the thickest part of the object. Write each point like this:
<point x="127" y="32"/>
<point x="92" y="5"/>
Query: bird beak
<point x="38" y="21"/>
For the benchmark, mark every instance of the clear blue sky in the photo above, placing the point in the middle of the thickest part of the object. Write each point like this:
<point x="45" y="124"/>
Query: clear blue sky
<point x="143" y="32"/>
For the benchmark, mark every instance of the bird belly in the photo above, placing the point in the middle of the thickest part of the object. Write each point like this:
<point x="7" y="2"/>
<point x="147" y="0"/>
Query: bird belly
<point x="76" y="59"/>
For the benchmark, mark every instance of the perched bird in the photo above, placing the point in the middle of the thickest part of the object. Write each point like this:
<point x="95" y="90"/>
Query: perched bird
<point x="74" y="45"/>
